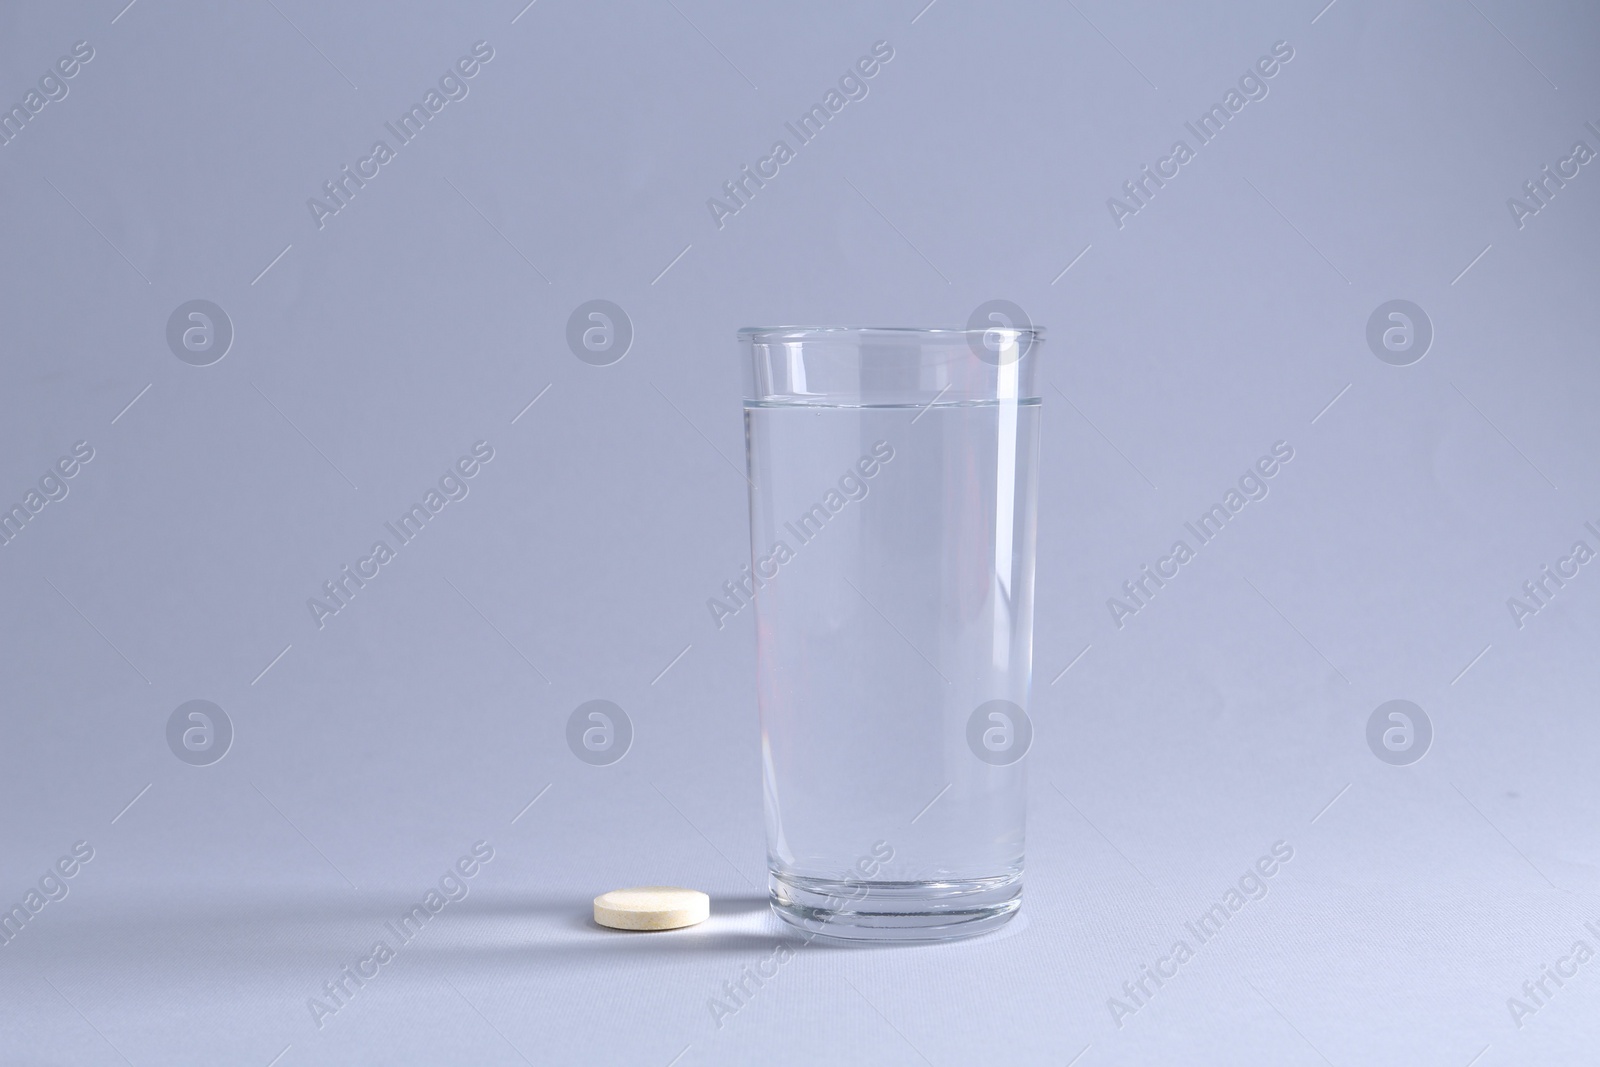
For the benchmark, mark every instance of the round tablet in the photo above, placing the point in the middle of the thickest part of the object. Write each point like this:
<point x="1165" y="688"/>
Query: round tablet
<point x="651" y="907"/>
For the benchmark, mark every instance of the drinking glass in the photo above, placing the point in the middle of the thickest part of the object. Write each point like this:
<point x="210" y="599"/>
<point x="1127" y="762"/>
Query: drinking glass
<point x="893" y="487"/>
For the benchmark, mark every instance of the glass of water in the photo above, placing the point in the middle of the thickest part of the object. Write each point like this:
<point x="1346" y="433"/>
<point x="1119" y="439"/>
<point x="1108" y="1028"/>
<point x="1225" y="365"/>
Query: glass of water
<point x="894" y="476"/>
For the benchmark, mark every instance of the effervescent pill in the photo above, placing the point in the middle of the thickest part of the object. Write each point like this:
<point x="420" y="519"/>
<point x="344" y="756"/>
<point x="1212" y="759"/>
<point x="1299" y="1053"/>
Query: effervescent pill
<point x="652" y="907"/>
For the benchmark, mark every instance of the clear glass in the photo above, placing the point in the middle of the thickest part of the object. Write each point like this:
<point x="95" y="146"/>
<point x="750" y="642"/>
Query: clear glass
<point x="894" y="480"/>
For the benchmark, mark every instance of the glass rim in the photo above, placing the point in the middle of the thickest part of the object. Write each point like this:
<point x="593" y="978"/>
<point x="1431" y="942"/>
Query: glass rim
<point x="773" y="334"/>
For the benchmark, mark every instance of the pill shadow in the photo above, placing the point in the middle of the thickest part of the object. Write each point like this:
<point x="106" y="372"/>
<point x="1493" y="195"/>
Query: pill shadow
<point x="741" y="905"/>
<point x="739" y="925"/>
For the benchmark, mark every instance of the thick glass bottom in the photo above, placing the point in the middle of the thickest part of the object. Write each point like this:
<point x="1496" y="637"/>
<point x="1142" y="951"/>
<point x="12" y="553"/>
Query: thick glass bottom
<point x="859" y="910"/>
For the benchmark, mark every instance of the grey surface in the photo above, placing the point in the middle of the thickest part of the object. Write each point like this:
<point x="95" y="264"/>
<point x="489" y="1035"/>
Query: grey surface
<point x="1223" y="717"/>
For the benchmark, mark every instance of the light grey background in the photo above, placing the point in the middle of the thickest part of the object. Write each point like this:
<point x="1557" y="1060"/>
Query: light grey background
<point x="369" y="354"/>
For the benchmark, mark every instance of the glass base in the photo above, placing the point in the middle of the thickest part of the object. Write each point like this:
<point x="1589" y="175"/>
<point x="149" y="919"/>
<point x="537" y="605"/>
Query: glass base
<point x="858" y="910"/>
